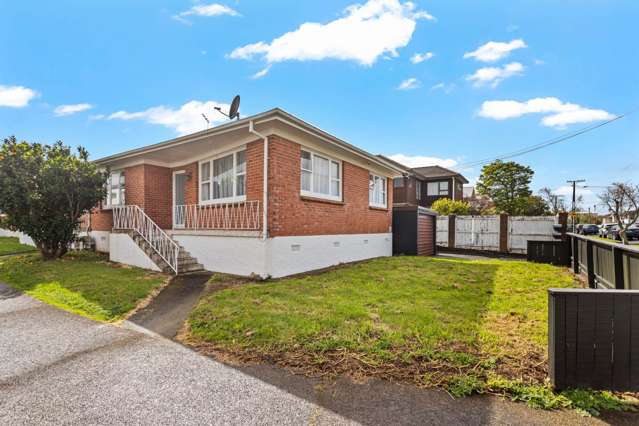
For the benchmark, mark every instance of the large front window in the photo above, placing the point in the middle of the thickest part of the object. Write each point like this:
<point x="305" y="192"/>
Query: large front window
<point x="116" y="190"/>
<point x="321" y="176"/>
<point x="437" y="188"/>
<point x="377" y="191"/>
<point x="223" y="178"/>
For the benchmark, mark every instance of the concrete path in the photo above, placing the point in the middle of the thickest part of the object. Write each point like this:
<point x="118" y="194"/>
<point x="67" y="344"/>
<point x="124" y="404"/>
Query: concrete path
<point x="166" y="314"/>
<point x="56" y="367"/>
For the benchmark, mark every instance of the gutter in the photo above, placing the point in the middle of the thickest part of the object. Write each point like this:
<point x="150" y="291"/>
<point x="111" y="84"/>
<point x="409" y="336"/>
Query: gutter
<point x="264" y="180"/>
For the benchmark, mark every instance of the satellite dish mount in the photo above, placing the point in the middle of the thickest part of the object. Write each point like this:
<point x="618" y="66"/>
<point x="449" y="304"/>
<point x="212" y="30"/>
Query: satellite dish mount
<point x="234" y="111"/>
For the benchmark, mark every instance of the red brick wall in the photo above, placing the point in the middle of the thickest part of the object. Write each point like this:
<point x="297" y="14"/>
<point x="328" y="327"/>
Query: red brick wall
<point x="291" y="214"/>
<point x="101" y="220"/>
<point x="151" y="187"/>
<point x="157" y="194"/>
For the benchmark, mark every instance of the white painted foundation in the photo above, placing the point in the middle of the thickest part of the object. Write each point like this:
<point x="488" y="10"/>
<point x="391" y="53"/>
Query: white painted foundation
<point x="124" y="250"/>
<point x="282" y="256"/>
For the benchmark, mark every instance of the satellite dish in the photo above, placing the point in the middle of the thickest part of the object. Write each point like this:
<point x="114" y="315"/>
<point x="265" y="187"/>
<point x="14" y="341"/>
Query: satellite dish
<point x="235" y="107"/>
<point x="234" y="110"/>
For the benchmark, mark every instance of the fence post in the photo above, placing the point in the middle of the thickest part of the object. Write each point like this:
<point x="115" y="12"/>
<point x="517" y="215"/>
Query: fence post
<point x="503" y="233"/>
<point x="590" y="265"/>
<point x="562" y="219"/>
<point x="575" y="254"/>
<point x="617" y="264"/>
<point x="451" y="231"/>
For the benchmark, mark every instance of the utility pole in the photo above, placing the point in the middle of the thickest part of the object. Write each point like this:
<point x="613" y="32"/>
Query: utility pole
<point x="574" y="199"/>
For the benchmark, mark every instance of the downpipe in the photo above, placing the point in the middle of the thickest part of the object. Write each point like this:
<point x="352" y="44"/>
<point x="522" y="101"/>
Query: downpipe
<point x="265" y="181"/>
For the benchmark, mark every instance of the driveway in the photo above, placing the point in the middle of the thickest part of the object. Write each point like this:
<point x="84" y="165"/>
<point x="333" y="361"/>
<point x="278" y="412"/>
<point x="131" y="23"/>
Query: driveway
<point x="56" y="367"/>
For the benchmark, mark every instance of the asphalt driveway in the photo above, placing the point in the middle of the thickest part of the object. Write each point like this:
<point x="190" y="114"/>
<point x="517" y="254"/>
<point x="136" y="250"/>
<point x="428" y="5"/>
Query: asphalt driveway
<point x="56" y="367"/>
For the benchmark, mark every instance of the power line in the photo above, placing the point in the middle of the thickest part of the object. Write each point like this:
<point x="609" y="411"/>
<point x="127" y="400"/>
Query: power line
<point x="544" y="144"/>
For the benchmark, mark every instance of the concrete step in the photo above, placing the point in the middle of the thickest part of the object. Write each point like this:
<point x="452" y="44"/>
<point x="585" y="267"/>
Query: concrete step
<point x="186" y="263"/>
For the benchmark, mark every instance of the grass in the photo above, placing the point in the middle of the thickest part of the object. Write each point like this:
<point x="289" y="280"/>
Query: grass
<point x="11" y="245"/>
<point x="82" y="283"/>
<point x="469" y="326"/>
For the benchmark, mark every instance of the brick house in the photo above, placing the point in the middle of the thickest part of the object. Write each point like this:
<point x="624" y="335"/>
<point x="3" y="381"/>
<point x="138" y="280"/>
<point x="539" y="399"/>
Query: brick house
<point x="201" y="201"/>
<point x="422" y="186"/>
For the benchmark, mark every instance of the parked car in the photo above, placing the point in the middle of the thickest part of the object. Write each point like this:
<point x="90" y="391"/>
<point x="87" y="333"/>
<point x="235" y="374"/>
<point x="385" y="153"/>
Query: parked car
<point x="589" y="229"/>
<point x="578" y="228"/>
<point x="605" y="229"/>
<point x="632" y="233"/>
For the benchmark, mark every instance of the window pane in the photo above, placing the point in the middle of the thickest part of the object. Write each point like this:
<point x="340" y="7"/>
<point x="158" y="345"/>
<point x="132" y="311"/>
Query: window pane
<point x="241" y="186"/>
<point x="334" y="170"/>
<point x="306" y="161"/>
<point x="223" y="177"/>
<point x="306" y="180"/>
<point x="320" y="175"/>
<point x="206" y="191"/>
<point x="335" y="188"/>
<point x="432" y="188"/>
<point x="398" y="182"/>
<point x="443" y="186"/>
<point x="240" y="159"/>
<point x="371" y="189"/>
<point x="115" y="180"/>
<point x="206" y="171"/>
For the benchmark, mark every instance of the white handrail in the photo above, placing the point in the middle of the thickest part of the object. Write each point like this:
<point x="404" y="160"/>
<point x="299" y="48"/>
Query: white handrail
<point x="132" y="217"/>
<point x="243" y="215"/>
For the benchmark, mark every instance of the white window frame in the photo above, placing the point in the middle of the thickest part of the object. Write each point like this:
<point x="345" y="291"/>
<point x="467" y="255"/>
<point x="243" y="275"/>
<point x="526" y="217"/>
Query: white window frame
<point x="418" y="189"/>
<point x="232" y="199"/>
<point x="314" y="194"/>
<point x="384" y="188"/>
<point x="121" y="195"/>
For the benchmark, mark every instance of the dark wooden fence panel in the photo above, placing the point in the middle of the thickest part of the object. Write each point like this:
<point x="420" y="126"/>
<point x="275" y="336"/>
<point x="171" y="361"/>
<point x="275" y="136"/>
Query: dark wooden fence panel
<point x="553" y="252"/>
<point x="593" y="338"/>
<point x="606" y="265"/>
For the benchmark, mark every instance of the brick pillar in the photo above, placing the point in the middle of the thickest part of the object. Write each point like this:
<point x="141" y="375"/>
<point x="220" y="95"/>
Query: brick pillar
<point x="451" y="231"/>
<point x="503" y="233"/>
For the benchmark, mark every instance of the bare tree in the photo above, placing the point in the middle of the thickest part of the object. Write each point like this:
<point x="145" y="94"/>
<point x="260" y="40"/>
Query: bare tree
<point x="552" y="200"/>
<point x="622" y="200"/>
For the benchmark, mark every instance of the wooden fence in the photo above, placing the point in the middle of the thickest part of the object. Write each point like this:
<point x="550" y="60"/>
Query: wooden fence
<point x="605" y="264"/>
<point x="498" y="233"/>
<point x="554" y="252"/>
<point x="593" y="339"/>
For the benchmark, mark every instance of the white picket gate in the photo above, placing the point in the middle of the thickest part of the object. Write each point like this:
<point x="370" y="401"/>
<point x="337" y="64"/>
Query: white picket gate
<point x="477" y="232"/>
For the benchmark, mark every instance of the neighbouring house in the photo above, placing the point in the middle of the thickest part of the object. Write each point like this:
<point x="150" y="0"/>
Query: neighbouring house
<point x="202" y="201"/>
<point x="422" y="186"/>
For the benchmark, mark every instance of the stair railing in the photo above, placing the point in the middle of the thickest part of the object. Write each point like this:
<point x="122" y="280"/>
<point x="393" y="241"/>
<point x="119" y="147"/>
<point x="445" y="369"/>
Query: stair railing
<point x="132" y="217"/>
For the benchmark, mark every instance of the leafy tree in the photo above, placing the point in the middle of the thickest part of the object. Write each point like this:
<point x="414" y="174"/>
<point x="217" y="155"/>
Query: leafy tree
<point x="507" y="184"/>
<point x="622" y="199"/>
<point x="45" y="189"/>
<point x="535" y="206"/>
<point x="554" y="202"/>
<point x="446" y="206"/>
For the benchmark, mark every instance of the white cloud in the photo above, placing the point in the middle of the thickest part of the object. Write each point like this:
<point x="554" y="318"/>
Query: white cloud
<point x="409" y="84"/>
<point x="366" y="32"/>
<point x="540" y="62"/>
<point x="421" y="57"/>
<point x="494" y="75"/>
<point x="16" y="96"/>
<point x="566" y="190"/>
<point x="422" y="161"/>
<point x="71" y="109"/>
<point x="261" y="73"/>
<point x="494" y="50"/>
<point x="187" y="119"/>
<point x="445" y="87"/>
<point x="558" y="114"/>
<point x="214" y="9"/>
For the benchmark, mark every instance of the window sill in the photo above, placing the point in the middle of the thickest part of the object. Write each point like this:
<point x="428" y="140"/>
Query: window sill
<point x="223" y="201"/>
<point x="321" y="200"/>
<point x="378" y="208"/>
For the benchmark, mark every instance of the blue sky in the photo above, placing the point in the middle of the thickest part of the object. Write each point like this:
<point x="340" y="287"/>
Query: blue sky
<point x="450" y="81"/>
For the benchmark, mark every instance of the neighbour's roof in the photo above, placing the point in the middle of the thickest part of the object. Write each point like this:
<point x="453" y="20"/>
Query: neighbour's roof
<point x="431" y="172"/>
<point x="273" y="114"/>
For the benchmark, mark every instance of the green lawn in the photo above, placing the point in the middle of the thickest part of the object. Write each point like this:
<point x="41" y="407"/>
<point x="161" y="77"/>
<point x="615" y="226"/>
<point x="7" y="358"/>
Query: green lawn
<point x="11" y="245"/>
<point x="83" y="283"/>
<point x="470" y="326"/>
